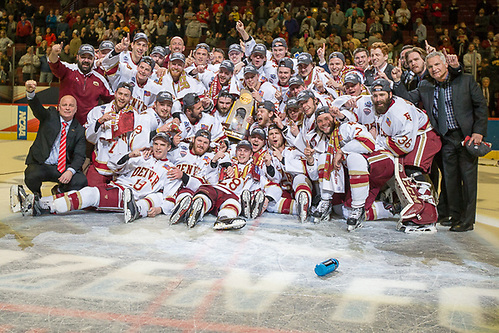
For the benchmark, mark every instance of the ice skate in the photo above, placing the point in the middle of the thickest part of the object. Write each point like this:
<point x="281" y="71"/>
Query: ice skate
<point x="354" y="221"/>
<point x="15" y="202"/>
<point x="257" y="205"/>
<point x="195" y="213"/>
<point x="413" y="228"/>
<point x="37" y="208"/>
<point x="303" y="203"/>
<point x="322" y="212"/>
<point x="179" y="213"/>
<point x="225" y="223"/>
<point x="26" y="201"/>
<point x="246" y="204"/>
<point x="129" y="206"/>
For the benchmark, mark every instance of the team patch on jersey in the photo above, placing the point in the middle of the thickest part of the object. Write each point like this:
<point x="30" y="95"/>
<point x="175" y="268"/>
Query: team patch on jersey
<point x="369" y="104"/>
<point x="206" y="159"/>
<point x="204" y="126"/>
<point x="147" y="93"/>
<point x="183" y="153"/>
<point x="273" y="76"/>
<point x="367" y="111"/>
<point x="166" y="166"/>
<point x="388" y="121"/>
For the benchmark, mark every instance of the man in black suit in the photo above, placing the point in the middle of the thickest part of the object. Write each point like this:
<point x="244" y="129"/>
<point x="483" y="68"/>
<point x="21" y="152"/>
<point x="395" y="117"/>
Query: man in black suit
<point x="58" y="151"/>
<point x="457" y="109"/>
<point x="379" y="61"/>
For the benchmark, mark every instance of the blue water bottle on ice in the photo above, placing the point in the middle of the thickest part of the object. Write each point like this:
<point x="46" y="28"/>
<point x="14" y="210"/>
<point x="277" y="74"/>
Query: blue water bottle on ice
<point x="326" y="267"/>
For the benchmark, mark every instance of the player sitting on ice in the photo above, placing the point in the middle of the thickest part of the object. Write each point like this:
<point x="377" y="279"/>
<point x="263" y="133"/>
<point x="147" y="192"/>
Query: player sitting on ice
<point x="135" y="190"/>
<point x="290" y="188"/>
<point x="222" y="199"/>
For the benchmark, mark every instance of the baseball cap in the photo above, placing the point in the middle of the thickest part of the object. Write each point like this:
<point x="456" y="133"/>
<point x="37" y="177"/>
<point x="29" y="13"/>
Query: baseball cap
<point x="203" y="46"/>
<point x="204" y="133"/>
<point x="225" y="93"/>
<point x="250" y="69"/>
<point x="286" y="62"/>
<point x="148" y="60"/>
<point x="159" y="50"/>
<point x="163" y="96"/>
<point x="305" y="58"/>
<point x="86" y="49"/>
<point x="295" y="80"/>
<point x="274" y="126"/>
<point x="140" y="35"/>
<point x="267" y="105"/>
<point x="235" y="48"/>
<point x="227" y="64"/>
<point x="381" y="85"/>
<point x="106" y="45"/>
<point x="321" y="110"/>
<point x="244" y="144"/>
<point x="259" y="132"/>
<point x="126" y="85"/>
<point x="279" y="41"/>
<point x="351" y="78"/>
<point x="305" y="95"/>
<point x="163" y="136"/>
<point x="478" y="150"/>
<point x="292" y="103"/>
<point x="259" y="48"/>
<point x="190" y="99"/>
<point x="177" y="56"/>
<point x="338" y="55"/>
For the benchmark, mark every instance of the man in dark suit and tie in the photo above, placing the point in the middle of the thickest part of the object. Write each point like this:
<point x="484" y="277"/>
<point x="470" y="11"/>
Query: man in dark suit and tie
<point x="58" y="151"/>
<point x="380" y="65"/>
<point x="457" y="109"/>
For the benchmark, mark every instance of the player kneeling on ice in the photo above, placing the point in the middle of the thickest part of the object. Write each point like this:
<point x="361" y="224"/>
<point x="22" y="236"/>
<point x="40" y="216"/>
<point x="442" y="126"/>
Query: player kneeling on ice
<point x="290" y="186"/>
<point x="353" y="146"/>
<point x="135" y="190"/>
<point x="222" y="199"/>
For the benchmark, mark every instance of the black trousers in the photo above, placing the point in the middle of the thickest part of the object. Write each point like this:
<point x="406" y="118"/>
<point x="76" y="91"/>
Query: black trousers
<point x="461" y="177"/>
<point x="36" y="174"/>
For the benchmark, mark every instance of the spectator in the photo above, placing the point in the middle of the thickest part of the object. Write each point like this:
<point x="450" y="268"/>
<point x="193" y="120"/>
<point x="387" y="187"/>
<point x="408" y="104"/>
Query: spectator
<point x="403" y="16"/>
<point x="5" y="42"/>
<point x="39" y="18"/>
<point x="178" y="27"/>
<point x="482" y="22"/>
<point x="471" y="60"/>
<point x="42" y="49"/>
<point x="45" y="72"/>
<point x="292" y="26"/>
<point x="29" y="9"/>
<point x="262" y="14"/>
<point x="193" y="32"/>
<point x="417" y="12"/>
<point x="11" y="28"/>
<point x="453" y="12"/>
<point x="203" y="16"/>
<point x="273" y="22"/>
<point x="353" y="8"/>
<point x="296" y="49"/>
<point x="359" y="28"/>
<point x="247" y="7"/>
<point x="388" y="16"/>
<point x="30" y="62"/>
<point x="78" y="24"/>
<point x="233" y="38"/>
<point x="66" y="55"/>
<point x="24" y="30"/>
<point x="489" y="96"/>
<point x="420" y="31"/>
<point x="49" y="37"/>
<point x="217" y="25"/>
<point x="51" y="20"/>
<point x="376" y="26"/>
<point x="218" y="6"/>
<point x="75" y="43"/>
<point x="436" y="12"/>
<point x="397" y="38"/>
<point x="485" y="5"/>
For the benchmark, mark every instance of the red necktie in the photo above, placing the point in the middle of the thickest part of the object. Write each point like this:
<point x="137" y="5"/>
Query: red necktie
<point x="61" y="161"/>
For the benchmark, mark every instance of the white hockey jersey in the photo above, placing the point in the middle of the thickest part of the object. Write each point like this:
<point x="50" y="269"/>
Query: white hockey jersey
<point x="207" y="122"/>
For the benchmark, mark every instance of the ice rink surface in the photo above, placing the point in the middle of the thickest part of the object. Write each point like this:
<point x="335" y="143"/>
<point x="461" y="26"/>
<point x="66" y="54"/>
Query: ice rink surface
<point x="90" y="272"/>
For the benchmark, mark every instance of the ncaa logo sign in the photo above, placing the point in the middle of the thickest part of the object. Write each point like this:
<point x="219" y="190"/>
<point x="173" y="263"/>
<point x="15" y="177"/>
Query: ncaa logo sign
<point x="22" y="122"/>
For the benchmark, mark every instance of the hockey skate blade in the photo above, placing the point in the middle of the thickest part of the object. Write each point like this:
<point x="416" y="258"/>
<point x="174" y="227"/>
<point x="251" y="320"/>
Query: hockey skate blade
<point x="230" y="224"/>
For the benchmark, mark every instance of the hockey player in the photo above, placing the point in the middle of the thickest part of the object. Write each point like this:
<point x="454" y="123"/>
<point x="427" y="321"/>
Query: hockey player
<point x="112" y="128"/>
<point x="194" y="168"/>
<point x="126" y="59"/>
<point x="313" y="76"/>
<point x="265" y="115"/>
<point x="223" y="106"/>
<point x="222" y="199"/>
<point x="158" y="54"/>
<point x="222" y="80"/>
<point x="259" y="90"/>
<point x="368" y="170"/>
<point x="177" y="82"/>
<point x="293" y="195"/>
<point x="139" y="178"/>
<point x="193" y="119"/>
<point x="284" y="73"/>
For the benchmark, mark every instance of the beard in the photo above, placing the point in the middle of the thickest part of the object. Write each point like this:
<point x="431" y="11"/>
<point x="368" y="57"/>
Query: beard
<point x="381" y="107"/>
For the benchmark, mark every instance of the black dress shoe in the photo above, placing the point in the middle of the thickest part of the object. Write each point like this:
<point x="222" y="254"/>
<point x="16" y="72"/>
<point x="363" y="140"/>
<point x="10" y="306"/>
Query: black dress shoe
<point x="461" y="226"/>
<point x="446" y="221"/>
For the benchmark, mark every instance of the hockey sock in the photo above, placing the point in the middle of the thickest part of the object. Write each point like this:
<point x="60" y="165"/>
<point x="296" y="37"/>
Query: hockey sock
<point x="377" y="211"/>
<point x="86" y="197"/>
